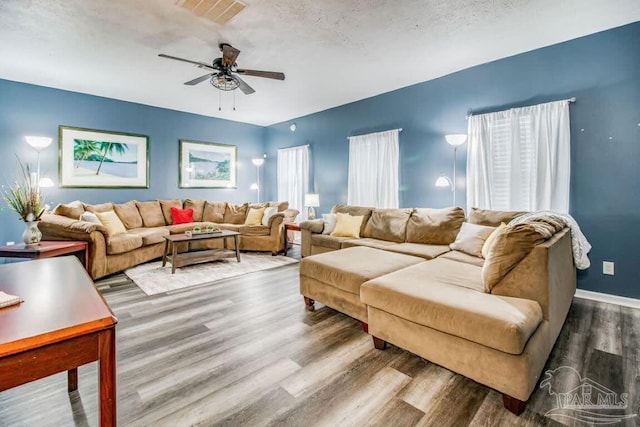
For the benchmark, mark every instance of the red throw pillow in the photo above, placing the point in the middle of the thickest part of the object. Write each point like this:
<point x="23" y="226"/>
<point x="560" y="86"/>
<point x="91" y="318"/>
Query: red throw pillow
<point x="181" y="216"/>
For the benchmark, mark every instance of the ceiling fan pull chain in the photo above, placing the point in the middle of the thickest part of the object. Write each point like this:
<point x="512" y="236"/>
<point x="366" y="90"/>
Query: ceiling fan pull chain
<point x="219" y="101"/>
<point x="234" y="100"/>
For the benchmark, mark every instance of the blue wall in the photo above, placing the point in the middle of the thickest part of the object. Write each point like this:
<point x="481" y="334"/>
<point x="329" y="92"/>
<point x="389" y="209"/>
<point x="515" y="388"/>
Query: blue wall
<point x="35" y="110"/>
<point x="602" y="71"/>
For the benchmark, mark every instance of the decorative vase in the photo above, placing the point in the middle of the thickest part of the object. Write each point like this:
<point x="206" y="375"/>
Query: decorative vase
<point x="31" y="235"/>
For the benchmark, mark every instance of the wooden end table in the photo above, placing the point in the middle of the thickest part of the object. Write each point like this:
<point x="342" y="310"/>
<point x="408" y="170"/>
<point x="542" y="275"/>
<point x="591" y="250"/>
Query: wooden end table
<point x="289" y="226"/>
<point x="194" y="257"/>
<point x="48" y="249"/>
<point x="72" y="326"/>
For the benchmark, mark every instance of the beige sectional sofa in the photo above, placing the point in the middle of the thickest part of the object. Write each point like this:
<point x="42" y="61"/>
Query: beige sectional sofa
<point x="147" y="223"/>
<point x="494" y="320"/>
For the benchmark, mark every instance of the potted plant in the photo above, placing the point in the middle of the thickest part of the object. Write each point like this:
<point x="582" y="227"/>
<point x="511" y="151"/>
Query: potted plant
<point x="25" y="199"/>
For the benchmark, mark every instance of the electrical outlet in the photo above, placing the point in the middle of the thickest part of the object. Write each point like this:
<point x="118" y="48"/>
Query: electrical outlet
<point x="11" y="243"/>
<point x="607" y="268"/>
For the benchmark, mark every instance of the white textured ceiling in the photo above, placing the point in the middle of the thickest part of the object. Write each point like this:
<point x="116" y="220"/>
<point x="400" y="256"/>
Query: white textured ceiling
<point x="332" y="51"/>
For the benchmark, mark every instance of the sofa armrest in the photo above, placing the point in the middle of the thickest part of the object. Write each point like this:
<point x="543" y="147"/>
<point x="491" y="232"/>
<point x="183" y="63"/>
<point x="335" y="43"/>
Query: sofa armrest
<point x="313" y="225"/>
<point x="275" y="222"/>
<point x="61" y="226"/>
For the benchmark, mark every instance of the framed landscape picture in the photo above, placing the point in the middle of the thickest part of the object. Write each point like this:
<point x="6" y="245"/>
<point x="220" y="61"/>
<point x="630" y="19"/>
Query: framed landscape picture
<point x="98" y="158"/>
<point x="207" y="165"/>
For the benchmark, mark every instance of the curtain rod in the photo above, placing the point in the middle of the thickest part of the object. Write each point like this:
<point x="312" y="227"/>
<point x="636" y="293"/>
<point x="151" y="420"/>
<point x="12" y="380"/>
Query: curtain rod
<point x="570" y="100"/>
<point x="353" y="136"/>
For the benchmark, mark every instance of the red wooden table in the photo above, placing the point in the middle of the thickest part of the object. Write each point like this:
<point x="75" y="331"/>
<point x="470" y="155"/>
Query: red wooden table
<point x="63" y="323"/>
<point x="48" y="249"/>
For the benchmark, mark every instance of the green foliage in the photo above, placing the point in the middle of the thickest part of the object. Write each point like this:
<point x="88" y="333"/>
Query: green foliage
<point x="24" y="197"/>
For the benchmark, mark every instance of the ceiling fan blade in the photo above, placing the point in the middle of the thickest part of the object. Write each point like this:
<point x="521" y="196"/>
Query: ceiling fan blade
<point x="198" y="80"/>
<point x="199" y="64"/>
<point x="229" y="54"/>
<point x="244" y="87"/>
<point x="258" y="73"/>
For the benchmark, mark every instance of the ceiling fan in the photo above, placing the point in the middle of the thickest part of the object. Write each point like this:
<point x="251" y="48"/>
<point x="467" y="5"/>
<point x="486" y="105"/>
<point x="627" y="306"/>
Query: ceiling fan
<point x="224" y="71"/>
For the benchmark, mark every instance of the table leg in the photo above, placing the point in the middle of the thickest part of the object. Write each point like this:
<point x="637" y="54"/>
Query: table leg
<point x="107" y="377"/>
<point x="72" y="379"/>
<point x="164" y="254"/>
<point x="235" y="240"/>
<point x="174" y="253"/>
<point x="286" y="242"/>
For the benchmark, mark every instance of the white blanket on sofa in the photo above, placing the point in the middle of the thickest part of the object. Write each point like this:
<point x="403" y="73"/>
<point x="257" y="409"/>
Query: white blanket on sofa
<point x="579" y="243"/>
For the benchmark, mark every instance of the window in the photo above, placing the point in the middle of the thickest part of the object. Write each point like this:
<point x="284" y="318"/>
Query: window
<point x="373" y="170"/>
<point x="293" y="177"/>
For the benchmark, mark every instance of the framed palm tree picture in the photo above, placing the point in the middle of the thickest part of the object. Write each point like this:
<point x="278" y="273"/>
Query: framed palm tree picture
<point x="98" y="158"/>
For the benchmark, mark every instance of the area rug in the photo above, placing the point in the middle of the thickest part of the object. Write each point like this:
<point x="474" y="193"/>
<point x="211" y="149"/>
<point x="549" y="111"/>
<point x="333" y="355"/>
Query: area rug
<point x="153" y="279"/>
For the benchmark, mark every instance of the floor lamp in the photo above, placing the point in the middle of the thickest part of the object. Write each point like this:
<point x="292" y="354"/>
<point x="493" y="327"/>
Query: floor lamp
<point x="455" y="140"/>
<point x="257" y="162"/>
<point x="39" y="143"/>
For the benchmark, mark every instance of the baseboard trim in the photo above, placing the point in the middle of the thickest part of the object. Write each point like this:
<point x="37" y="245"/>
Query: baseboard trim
<point x="608" y="298"/>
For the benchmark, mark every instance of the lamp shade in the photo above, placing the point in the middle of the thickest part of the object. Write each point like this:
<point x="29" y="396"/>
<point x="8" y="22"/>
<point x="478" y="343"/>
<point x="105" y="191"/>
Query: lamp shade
<point x="258" y="161"/>
<point x="312" y="200"/>
<point x="45" y="182"/>
<point x="38" y="142"/>
<point x="255" y="186"/>
<point x="443" y="181"/>
<point x="456" y="139"/>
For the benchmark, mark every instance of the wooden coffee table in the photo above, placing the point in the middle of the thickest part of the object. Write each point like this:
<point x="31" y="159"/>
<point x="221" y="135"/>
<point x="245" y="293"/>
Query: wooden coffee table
<point x="48" y="249"/>
<point x="63" y="323"/>
<point x="195" y="257"/>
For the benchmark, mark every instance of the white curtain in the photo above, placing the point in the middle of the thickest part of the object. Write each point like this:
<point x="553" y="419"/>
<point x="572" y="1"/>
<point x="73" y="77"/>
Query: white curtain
<point x="293" y="177"/>
<point x="519" y="159"/>
<point x="373" y="170"/>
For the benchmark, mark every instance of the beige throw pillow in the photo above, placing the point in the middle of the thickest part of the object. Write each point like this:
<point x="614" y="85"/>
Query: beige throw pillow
<point x="490" y="240"/>
<point x="347" y="225"/>
<point x="254" y="217"/>
<point x="111" y="222"/>
<point x="471" y="237"/>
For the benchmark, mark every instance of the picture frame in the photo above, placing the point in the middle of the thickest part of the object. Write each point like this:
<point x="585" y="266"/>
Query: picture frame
<point x="91" y="158"/>
<point x="207" y="165"/>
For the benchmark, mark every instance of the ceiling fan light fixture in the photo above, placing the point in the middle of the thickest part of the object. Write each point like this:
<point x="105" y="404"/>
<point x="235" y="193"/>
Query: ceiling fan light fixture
<point x="222" y="82"/>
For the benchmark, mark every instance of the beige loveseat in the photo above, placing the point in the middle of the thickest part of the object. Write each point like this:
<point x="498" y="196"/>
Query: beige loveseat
<point x="148" y="222"/>
<point x="494" y="320"/>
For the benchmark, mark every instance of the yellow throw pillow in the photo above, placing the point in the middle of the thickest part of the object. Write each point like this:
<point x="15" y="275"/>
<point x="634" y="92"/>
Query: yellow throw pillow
<point x="111" y="222"/>
<point x="254" y="217"/>
<point x="347" y="225"/>
<point x="490" y="240"/>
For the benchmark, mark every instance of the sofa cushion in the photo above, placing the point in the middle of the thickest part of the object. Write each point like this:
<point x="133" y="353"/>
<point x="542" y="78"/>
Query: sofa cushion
<point x="235" y="214"/>
<point x="214" y="212"/>
<point x="254" y="216"/>
<point x="327" y="241"/>
<point x="181" y="216"/>
<point x="111" y="222"/>
<point x="349" y="268"/>
<point x="434" y="226"/>
<point x="230" y="227"/>
<point x="150" y="236"/>
<point x="254" y="230"/>
<point x="442" y="294"/>
<point x="492" y="237"/>
<point x="419" y="249"/>
<point x="122" y="243"/>
<point x="71" y="210"/>
<point x="462" y="257"/>
<point x="151" y="213"/>
<point x="347" y="226"/>
<point x="166" y="206"/>
<point x="388" y="224"/>
<point x="471" y="238"/>
<point x="197" y="206"/>
<point x="490" y="217"/>
<point x="511" y="244"/>
<point x="290" y="215"/>
<point x="128" y="214"/>
<point x="365" y="212"/>
<point x="103" y="207"/>
<point x="282" y="206"/>
<point x="368" y="242"/>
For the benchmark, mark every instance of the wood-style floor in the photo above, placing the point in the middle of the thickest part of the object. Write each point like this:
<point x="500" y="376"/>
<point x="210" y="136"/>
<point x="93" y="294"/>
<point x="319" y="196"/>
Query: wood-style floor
<point x="246" y="352"/>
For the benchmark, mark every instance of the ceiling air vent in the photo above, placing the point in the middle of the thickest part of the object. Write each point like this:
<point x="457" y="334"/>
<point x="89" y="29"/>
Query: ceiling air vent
<point x="218" y="11"/>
